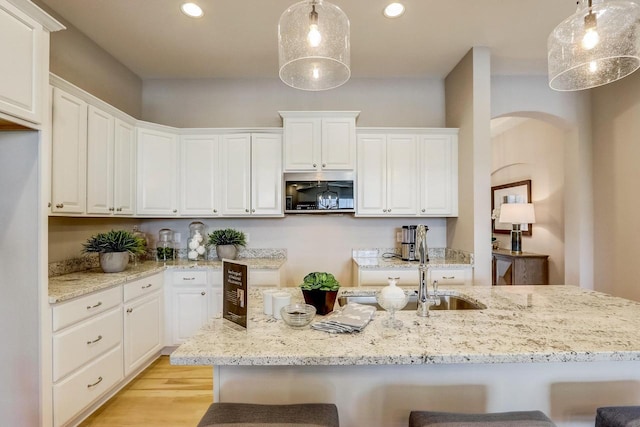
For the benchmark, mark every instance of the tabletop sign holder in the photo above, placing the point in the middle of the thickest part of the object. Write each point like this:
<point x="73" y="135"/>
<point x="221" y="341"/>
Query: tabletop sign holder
<point x="234" y="293"/>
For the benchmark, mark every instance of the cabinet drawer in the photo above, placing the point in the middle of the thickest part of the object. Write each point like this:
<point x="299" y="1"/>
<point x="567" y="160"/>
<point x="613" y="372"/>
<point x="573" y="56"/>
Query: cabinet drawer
<point x="142" y="287"/>
<point x="190" y="277"/>
<point x="81" y="343"/>
<point x="78" y="391"/>
<point x="68" y="313"/>
<point x="407" y="277"/>
<point x="457" y="276"/>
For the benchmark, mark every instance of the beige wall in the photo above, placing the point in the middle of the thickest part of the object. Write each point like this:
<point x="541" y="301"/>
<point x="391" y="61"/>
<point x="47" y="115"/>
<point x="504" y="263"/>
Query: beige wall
<point x="535" y="150"/>
<point x="66" y="235"/>
<point x="616" y="156"/>
<point x="468" y="108"/>
<point x="77" y="59"/>
<point x="255" y="103"/>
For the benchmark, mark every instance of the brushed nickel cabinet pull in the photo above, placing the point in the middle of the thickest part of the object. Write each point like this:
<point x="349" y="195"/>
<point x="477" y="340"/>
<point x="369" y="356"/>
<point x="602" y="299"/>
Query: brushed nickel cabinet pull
<point x="246" y="210"/>
<point x="203" y="293"/>
<point x="175" y="211"/>
<point x="119" y="209"/>
<point x="89" y="307"/>
<point x="188" y="278"/>
<point x="253" y="210"/>
<point x="448" y="278"/>
<point x="111" y="209"/>
<point x="94" y="341"/>
<point x="95" y="384"/>
<point x="148" y="286"/>
<point x="129" y="310"/>
<point x="49" y="204"/>
<point x="423" y="210"/>
<point x="315" y="165"/>
<point x="215" y="211"/>
<point x="324" y="165"/>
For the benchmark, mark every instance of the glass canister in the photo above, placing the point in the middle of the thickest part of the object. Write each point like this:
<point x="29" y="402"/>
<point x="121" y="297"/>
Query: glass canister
<point x="164" y="247"/>
<point x="197" y="243"/>
<point x="140" y="235"/>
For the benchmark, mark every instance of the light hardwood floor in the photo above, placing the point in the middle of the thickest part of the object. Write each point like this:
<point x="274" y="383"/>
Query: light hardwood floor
<point x="162" y="395"/>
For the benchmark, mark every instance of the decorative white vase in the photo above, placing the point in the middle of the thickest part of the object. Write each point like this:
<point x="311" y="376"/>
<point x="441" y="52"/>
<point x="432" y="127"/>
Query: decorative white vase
<point x="227" y="251"/>
<point x="114" y="262"/>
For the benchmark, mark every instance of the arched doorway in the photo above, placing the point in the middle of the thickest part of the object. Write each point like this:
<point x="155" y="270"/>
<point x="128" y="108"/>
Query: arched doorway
<point x="533" y="148"/>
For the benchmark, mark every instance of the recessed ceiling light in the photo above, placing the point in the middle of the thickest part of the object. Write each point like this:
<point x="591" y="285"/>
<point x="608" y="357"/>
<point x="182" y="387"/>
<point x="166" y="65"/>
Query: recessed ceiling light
<point x="192" y="10"/>
<point x="394" y="10"/>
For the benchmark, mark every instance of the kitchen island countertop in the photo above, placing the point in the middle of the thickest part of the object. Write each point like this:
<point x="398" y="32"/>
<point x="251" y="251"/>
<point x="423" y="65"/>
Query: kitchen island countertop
<point x="521" y="324"/>
<point x="72" y="285"/>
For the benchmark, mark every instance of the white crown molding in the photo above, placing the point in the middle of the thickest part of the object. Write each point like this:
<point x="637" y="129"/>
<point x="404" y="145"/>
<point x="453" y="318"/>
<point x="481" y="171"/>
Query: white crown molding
<point x="46" y="20"/>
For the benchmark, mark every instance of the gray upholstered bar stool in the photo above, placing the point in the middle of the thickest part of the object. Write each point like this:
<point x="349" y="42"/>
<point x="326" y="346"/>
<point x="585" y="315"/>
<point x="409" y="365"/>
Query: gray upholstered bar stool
<point x="618" y="416"/>
<point x="254" y="415"/>
<point x="498" y="419"/>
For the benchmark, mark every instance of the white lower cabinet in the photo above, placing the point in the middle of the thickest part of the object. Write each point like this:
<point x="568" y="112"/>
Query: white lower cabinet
<point x="101" y="338"/>
<point x="143" y="321"/>
<point x="408" y="277"/>
<point x="193" y="300"/>
<point x="79" y="390"/>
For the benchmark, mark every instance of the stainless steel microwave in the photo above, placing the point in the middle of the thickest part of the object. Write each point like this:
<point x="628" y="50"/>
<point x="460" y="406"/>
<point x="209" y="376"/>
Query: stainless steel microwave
<point x="322" y="192"/>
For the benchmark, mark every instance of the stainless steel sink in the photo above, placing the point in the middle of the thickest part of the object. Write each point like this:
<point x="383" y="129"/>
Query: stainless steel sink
<point x="447" y="302"/>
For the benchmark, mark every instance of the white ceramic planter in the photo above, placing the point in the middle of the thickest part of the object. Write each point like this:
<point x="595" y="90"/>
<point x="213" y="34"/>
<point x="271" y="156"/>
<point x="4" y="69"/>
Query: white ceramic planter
<point x="227" y="251"/>
<point x="114" y="262"/>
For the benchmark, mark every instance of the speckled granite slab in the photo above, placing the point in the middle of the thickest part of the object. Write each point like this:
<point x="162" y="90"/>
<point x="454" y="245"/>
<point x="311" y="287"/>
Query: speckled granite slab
<point x="523" y="324"/>
<point x="65" y="287"/>
<point x="383" y="259"/>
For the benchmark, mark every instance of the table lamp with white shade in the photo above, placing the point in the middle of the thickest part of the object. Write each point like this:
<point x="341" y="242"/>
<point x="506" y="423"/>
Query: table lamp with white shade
<point x="517" y="214"/>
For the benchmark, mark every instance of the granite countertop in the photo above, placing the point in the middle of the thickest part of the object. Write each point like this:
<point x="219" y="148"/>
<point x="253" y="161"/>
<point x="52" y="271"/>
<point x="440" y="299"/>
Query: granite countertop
<point x="72" y="285"/>
<point x="384" y="259"/>
<point x="522" y="324"/>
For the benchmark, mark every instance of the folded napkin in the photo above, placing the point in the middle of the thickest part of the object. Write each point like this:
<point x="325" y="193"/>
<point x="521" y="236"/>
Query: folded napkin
<point x="352" y="318"/>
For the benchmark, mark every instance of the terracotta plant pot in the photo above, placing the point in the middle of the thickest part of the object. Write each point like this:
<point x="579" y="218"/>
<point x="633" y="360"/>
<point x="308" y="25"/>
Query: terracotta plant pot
<point x="323" y="301"/>
<point x="227" y="251"/>
<point x="114" y="262"/>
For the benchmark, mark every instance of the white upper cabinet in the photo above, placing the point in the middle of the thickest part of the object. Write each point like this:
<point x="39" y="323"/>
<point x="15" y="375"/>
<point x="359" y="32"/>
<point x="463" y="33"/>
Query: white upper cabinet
<point x="68" y="153"/>
<point x="24" y="52"/>
<point x="157" y="160"/>
<point x="100" y="149"/>
<point x="438" y="156"/>
<point x="124" y="163"/>
<point x="251" y="167"/>
<point x="387" y="175"/>
<point x="266" y="174"/>
<point x="315" y="141"/>
<point x="236" y="174"/>
<point x="200" y="175"/>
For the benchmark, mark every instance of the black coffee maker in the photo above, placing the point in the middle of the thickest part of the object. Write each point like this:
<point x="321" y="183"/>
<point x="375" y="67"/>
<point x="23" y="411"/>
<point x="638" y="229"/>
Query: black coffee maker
<point x="408" y="247"/>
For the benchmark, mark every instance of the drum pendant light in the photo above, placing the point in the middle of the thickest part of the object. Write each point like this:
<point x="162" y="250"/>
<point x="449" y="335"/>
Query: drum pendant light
<point x="599" y="44"/>
<point x="313" y="46"/>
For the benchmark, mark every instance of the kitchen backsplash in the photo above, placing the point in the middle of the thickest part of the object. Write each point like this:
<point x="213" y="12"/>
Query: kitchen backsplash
<point x="91" y="261"/>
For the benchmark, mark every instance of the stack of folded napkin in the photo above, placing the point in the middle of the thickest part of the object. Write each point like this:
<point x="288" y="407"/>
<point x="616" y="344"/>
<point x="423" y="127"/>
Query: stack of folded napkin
<point x="352" y="318"/>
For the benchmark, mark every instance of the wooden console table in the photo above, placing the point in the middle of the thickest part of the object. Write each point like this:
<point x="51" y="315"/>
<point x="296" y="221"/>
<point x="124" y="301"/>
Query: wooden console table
<point x="519" y="269"/>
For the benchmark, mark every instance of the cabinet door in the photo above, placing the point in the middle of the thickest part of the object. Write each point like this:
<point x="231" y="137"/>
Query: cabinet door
<point x="402" y="175"/>
<point x="157" y="173"/>
<point x="236" y="174"/>
<point x="124" y="163"/>
<point x="302" y="144"/>
<point x="99" y="162"/>
<point x="266" y="174"/>
<point x="190" y="311"/>
<point x="438" y="175"/>
<point x="372" y="175"/>
<point x="338" y="143"/>
<point x="143" y="330"/>
<point x="68" y="153"/>
<point x="21" y="82"/>
<point x="199" y="175"/>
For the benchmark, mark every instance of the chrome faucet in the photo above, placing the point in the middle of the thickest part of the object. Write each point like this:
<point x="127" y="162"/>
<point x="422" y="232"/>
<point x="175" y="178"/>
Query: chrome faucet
<point x="424" y="300"/>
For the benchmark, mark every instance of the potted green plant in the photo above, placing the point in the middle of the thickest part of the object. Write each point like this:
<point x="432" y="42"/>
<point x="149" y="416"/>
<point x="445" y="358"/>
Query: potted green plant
<point x="320" y="290"/>
<point x="113" y="249"/>
<point x="227" y="242"/>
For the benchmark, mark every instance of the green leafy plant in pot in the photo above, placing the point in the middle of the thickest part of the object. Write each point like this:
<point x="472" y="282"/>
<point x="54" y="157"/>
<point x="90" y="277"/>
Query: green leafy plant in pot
<point x="227" y="242"/>
<point x="320" y="290"/>
<point x="113" y="248"/>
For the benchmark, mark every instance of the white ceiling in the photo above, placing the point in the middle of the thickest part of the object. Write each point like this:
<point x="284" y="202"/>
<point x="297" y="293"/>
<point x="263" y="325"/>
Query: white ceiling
<point x="238" y="38"/>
